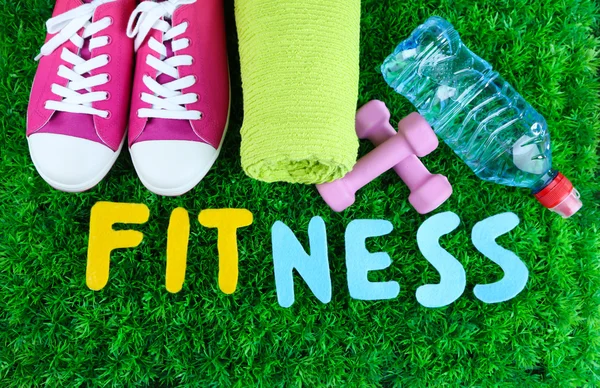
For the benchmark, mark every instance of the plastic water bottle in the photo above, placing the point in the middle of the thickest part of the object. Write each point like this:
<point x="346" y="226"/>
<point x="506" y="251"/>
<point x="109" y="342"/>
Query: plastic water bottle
<point x="478" y="114"/>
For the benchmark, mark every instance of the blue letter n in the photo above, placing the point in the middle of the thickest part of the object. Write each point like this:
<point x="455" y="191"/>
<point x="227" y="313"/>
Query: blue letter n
<point x="288" y="255"/>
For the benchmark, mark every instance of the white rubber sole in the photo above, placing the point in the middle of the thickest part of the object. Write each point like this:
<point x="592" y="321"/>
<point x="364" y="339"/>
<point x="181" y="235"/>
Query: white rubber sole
<point x="87" y="185"/>
<point x="200" y="174"/>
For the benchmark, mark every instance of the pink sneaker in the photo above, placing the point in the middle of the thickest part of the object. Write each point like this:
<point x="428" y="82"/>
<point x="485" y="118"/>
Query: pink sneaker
<point x="180" y="99"/>
<point x="79" y="100"/>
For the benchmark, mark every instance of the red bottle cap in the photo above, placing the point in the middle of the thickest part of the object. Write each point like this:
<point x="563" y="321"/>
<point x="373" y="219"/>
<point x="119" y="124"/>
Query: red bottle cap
<point x="560" y="196"/>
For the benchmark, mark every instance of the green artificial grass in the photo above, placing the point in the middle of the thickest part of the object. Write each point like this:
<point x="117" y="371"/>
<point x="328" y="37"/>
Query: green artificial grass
<point x="56" y="332"/>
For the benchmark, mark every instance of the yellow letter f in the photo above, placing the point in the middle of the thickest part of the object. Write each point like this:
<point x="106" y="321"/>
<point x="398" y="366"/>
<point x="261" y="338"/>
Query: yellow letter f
<point x="104" y="239"/>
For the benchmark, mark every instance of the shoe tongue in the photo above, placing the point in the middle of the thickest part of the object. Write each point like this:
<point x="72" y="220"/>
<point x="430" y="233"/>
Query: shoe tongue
<point x="85" y="50"/>
<point x="166" y="129"/>
<point x="164" y="78"/>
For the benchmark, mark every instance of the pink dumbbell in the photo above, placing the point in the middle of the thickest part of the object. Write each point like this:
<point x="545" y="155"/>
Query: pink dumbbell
<point x="428" y="191"/>
<point x="416" y="138"/>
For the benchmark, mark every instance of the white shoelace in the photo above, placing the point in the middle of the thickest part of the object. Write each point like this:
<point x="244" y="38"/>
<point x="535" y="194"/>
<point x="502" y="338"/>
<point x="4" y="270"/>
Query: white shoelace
<point x="66" y="27"/>
<point x="168" y="100"/>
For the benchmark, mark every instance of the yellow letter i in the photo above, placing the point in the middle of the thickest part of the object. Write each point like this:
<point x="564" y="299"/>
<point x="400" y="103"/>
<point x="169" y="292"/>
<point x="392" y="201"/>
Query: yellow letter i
<point x="178" y="236"/>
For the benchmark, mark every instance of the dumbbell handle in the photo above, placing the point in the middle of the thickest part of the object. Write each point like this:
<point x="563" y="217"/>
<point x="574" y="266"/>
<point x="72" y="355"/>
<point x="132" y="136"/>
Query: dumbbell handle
<point x="387" y="155"/>
<point x="410" y="170"/>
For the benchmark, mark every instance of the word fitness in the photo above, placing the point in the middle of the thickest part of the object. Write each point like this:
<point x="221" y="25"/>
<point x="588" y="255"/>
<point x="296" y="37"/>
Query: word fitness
<point x="289" y="255"/>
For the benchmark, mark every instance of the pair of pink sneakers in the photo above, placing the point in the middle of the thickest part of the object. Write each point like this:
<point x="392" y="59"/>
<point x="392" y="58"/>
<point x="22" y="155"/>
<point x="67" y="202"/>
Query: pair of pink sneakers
<point x="91" y="89"/>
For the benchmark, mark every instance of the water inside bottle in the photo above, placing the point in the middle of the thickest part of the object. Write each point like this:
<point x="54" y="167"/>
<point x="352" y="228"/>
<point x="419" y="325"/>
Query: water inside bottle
<point x="476" y="112"/>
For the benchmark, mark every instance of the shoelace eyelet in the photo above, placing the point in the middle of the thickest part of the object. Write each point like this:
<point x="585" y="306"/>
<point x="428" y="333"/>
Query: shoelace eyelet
<point x="61" y="27"/>
<point x="160" y="17"/>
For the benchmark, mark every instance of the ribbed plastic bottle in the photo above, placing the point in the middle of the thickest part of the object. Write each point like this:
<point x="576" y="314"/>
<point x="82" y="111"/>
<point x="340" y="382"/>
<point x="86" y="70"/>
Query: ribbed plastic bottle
<point x="478" y="114"/>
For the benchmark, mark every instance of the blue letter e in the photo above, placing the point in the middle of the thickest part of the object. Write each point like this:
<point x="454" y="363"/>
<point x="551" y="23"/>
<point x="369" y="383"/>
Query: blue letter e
<point x="359" y="261"/>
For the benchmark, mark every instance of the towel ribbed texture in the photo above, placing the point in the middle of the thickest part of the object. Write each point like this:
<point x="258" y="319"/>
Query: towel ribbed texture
<point x="300" y="67"/>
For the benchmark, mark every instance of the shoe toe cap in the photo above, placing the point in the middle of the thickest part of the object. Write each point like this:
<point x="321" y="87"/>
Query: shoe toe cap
<point x="70" y="163"/>
<point x="172" y="167"/>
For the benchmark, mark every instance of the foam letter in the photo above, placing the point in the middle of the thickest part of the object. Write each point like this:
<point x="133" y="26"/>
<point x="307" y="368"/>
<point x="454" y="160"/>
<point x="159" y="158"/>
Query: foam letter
<point x="484" y="237"/>
<point x="227" y="222"/>
<point x="288" y="255"/>
<point x="453" y="278"/>
<point x="359" y="261"/>
<point x="104" y="239"/>
<point x="178" y="236"/>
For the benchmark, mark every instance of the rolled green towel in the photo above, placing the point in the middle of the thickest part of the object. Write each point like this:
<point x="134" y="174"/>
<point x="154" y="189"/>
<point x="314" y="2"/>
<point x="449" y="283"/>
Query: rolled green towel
<point x="299" y="63"/>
